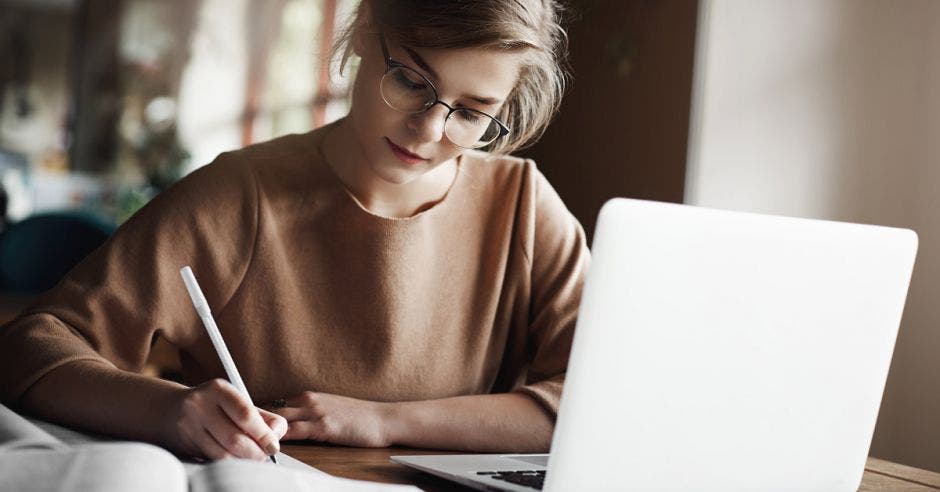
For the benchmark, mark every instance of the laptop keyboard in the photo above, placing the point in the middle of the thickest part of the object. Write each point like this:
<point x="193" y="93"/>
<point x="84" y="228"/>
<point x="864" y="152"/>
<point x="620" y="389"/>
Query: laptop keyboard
<point x="527" y="478"/>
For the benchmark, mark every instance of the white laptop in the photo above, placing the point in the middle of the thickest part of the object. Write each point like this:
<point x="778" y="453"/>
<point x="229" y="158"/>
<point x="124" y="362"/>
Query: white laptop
<point x="718" y="351"/>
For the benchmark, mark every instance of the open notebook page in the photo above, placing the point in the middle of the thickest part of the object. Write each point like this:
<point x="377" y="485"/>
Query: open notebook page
<point x="37" y="455"/>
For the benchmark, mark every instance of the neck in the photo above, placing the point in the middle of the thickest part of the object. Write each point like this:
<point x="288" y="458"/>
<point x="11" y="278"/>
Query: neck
<point x="344" y="155"/>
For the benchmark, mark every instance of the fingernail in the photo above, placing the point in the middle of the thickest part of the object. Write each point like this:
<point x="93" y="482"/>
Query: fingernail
<point x="272" y="448"/>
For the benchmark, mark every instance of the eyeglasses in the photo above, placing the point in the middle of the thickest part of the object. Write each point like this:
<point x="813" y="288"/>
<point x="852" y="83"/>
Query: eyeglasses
<point x="406" y="90"/>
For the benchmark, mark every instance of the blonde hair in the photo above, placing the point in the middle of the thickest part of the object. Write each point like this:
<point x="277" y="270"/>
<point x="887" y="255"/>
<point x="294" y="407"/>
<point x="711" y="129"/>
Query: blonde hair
<point x="532" y="26"/>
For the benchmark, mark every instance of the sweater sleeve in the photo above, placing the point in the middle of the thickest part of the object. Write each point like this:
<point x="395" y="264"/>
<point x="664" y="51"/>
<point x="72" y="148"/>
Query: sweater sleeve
<point x="110" y="306"/>
<point x="559" y="260"/>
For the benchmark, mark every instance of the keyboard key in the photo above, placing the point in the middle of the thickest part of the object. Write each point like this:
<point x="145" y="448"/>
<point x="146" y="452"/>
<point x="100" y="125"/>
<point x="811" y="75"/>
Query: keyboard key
<point x="528" y="478"/>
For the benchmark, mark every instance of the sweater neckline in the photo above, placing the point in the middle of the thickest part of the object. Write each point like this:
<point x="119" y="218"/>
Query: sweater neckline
<point x="358" y="204"/>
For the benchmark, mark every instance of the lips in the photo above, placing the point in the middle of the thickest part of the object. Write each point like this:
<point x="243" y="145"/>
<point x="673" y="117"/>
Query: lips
<point x="404" y="154"/>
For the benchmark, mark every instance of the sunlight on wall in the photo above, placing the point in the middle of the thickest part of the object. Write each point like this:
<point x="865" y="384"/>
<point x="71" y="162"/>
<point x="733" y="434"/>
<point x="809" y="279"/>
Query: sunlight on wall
<point x="831" y="109"/>
<point x="212" y="92"/>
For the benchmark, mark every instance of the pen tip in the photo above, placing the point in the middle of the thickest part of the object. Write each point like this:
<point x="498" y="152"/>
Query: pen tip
<point x="273" y="459"/>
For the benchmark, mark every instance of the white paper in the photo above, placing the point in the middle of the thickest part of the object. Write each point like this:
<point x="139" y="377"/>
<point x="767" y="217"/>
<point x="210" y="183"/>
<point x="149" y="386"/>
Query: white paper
<point x="37" y="455"/>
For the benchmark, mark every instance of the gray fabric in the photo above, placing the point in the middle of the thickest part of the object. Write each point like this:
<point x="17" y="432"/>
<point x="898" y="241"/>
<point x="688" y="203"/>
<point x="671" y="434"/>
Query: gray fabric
<point x="16" y="433"/>
<point x="96" y="466"/>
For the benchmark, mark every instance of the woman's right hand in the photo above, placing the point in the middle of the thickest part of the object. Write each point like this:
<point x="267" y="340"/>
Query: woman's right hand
<point x="215" y="421"/>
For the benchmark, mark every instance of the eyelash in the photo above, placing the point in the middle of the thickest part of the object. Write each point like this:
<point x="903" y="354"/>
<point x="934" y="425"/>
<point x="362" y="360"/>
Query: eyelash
<point x="408" y="83"/>
<point x="470" y="117"/>
<point x="412" y="86"/>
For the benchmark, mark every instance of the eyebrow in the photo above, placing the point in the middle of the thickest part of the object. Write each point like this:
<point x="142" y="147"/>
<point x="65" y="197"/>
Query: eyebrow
<point x="415" y="57"/>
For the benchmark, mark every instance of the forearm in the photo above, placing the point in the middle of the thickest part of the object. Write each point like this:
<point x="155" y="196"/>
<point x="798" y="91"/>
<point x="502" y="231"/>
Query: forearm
<point x="93" y="396"/>
<point x="509" y="422"/>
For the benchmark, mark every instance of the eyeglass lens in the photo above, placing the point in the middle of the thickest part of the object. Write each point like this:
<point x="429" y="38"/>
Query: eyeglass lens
<point x="408" y="91"/>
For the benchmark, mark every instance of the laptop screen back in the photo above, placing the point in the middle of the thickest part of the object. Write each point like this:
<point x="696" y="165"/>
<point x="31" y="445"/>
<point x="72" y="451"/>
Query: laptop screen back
<point x="721" y="350"/>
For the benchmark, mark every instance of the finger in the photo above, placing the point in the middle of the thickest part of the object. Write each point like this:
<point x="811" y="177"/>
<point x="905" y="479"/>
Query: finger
<point x="304" y="399"/>
<point x="209" y="446"/>
<point x="302" y="430"/>
<point x="277" y="423"/>
<point x="292" y="414"/>
<point x="247" y="418"/>
<point x="232" y="438"/>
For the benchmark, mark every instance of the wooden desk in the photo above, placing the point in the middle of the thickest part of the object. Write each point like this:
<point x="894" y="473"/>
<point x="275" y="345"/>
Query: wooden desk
<point x="373" y="464"/>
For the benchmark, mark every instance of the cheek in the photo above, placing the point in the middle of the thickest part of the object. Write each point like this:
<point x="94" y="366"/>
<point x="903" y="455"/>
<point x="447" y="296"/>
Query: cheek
<point x="372" y="117"/>
<point x="367" y="102"/>
<point x="366" y="99"/>
<point x="447" y="154"/>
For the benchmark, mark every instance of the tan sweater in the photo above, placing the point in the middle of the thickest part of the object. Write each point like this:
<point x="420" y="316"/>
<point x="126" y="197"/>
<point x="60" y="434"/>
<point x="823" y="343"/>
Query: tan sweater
<point x="478" y="294"/>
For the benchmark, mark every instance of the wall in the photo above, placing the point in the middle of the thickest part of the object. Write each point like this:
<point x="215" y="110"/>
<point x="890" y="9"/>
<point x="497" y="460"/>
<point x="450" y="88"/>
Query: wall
<point x="830" y="109"/>
<point x="623" y="126"/>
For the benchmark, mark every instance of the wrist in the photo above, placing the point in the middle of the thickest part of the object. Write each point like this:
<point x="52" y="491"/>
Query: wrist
<point x="391" y="415"/>
<point x="170" y="404"/>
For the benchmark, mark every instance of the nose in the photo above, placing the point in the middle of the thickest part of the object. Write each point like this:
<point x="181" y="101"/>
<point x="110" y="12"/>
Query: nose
<point x="428" y="125"/>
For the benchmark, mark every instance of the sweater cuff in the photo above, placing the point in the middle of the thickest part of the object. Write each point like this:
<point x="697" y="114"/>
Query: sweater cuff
<point x="546" y="393"/>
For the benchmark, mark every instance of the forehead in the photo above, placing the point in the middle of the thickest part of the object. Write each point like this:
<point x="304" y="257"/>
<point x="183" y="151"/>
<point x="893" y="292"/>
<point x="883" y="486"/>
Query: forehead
<point x="467" y="71"/>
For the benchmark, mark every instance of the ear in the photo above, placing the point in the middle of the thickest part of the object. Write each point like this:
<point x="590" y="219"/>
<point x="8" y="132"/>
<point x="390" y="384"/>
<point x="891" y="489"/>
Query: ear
<point x="363" y="29"/>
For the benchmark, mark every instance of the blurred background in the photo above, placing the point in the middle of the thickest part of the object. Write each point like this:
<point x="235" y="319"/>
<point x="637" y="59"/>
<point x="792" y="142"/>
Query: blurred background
<point x="813" y="108"/>
<point x="106" y="102"/>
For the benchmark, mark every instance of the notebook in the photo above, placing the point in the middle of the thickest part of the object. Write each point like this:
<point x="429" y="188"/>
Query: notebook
<point x="37" y="455"/>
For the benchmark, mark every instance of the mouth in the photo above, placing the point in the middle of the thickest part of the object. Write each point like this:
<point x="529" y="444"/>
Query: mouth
<point x="403" y="154"/>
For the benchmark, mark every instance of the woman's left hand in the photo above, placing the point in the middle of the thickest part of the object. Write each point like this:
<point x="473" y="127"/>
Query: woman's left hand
<point x="336" y="419"/>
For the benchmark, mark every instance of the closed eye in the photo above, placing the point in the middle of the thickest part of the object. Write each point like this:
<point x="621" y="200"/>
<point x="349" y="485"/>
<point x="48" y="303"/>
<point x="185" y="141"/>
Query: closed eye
<point x="469" y="116"/>
<point x="412" y="83"/>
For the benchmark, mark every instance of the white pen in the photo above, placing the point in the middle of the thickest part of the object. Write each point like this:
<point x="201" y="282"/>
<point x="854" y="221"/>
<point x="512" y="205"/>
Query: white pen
<point x="202" y="308"/>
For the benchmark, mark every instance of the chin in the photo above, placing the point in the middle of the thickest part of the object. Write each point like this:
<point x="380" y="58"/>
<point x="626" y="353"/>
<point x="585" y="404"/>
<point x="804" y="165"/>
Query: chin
<point x="398" y="175"/>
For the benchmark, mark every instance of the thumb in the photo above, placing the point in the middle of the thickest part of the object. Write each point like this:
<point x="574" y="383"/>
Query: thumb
<point x="277" y="423"/>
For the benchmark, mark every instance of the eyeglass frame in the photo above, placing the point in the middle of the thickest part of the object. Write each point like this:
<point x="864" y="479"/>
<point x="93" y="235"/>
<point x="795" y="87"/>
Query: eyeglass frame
<point x="391" y="64"/>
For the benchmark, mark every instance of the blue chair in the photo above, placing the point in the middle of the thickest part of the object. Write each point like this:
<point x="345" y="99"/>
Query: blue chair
<point x="38" y="251"/>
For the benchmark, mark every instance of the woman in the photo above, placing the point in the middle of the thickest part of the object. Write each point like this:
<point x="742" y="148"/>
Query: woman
<point x="381" y="279"/>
